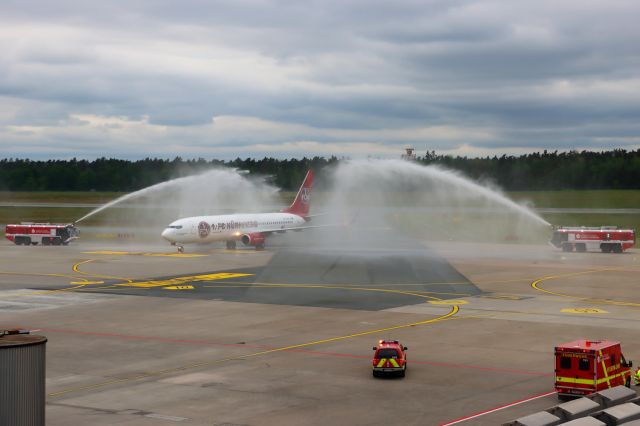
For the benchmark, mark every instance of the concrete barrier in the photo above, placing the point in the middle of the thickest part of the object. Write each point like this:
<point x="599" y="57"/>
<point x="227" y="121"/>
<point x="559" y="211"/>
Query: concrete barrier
<point x="620" y="414"/>
<point x="575" y="409"/>
<point x="613" y="396"/>
<point x="585" y="421"/>
<point x="610" y="407"/>
<point x="538" y="419"/>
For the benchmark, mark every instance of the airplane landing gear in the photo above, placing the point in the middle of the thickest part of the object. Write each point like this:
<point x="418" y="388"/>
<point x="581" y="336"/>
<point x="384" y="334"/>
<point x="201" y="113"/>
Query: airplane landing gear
<point x="231" y="245"/>
<point x="180" y="249"/>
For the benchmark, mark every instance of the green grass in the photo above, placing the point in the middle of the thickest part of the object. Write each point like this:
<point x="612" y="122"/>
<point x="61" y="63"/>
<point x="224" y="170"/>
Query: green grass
<point x="45" y="214"/>
<point x="606" y="199"/>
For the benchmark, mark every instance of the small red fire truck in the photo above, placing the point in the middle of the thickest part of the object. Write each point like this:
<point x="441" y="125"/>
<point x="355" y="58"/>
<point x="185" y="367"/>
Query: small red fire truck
<point x="46" y="233"/>
<point x="587" y="366"/>
<point x="390" y="357"/>
<point x="607" y="239"/>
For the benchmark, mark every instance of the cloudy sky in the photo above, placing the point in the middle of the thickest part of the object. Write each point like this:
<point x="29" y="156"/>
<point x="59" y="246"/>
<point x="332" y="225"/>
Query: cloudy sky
<point x="138" y="78"/>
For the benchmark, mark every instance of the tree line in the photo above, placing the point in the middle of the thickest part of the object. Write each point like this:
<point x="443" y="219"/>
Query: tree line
<point x="108" y="174"/>
<point x="616" y="169"/>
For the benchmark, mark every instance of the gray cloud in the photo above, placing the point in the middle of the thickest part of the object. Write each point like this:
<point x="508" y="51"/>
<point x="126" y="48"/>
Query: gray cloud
<point x="141" y="78"/>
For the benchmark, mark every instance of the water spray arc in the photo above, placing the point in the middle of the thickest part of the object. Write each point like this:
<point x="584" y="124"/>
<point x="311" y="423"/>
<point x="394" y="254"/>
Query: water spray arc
<point x="428" y="193"/>
<point x="423" y="202"/>
<point x="490" y="194"/>
<point x="194" y="189"/>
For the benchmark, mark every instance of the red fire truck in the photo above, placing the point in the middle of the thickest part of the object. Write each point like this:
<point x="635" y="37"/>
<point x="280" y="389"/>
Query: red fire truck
<point x="46" y="233"/>
<point x="587" y="366"/>
<point x="607" y="239"/>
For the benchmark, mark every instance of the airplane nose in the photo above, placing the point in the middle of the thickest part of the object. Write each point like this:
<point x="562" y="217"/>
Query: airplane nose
<point x="166" y="234"/>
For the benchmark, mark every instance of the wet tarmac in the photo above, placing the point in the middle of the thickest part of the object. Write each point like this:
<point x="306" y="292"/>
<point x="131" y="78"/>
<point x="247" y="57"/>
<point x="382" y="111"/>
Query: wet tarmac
<point x="141" y="335"/>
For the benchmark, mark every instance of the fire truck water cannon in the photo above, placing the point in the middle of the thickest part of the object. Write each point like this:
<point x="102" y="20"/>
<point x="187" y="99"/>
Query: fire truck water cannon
<point x="583" y="367"/>
<point x="607" y="239"/>
<point x="47" y="234"/>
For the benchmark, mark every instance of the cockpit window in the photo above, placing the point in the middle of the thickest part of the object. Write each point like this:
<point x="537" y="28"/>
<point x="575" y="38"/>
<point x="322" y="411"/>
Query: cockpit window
<point x="175" y="226"/>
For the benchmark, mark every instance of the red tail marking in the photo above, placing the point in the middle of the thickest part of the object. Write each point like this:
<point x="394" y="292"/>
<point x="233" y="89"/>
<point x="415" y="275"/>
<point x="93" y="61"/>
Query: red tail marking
<point x="302" y="203"/>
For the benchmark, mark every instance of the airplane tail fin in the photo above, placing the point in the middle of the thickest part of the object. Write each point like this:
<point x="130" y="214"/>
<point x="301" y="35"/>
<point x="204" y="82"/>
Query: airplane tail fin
<point x="302" y="203"/>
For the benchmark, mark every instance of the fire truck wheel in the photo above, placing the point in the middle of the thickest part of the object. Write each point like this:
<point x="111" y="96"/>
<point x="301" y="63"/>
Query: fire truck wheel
<point x="402" y="373"/>
<point x="56" y="241"/>
<point x="26" y="241"/>
<point x="34" y="243"/>
<point x="617" y="248"/>
<point x="567" y="247"/>
<point x="606" y="248"/>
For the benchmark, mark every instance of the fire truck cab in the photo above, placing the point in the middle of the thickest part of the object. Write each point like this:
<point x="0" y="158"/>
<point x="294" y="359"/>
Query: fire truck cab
<point x="28" y="233"/>
<point x="390" y="357"/>
<point x="608" y="239"/>
<point x="586" y="366"/>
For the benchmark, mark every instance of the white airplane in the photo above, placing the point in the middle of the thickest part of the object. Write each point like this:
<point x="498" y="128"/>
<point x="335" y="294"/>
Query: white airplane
<point x="252" y="228"/>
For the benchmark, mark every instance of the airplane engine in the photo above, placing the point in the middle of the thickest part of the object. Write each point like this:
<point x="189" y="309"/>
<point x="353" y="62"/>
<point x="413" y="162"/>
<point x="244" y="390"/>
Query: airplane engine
<point x="254" y="239"/>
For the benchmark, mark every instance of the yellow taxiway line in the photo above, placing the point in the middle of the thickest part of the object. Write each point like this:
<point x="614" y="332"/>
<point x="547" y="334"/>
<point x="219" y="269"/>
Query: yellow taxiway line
<point x="140" y="253"/>
<point x="337" y="287"/>
<point x="36" y="274"/>
<point x="454" y="310"/>
<point x="536" y="286"/>
<point x="80" y="284"/>
<point x="425" y="294"/>
<point x="110" y="277"/>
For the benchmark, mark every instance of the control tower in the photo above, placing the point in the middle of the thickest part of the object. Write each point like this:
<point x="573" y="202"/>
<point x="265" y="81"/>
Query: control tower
<point x="410" y="154"/>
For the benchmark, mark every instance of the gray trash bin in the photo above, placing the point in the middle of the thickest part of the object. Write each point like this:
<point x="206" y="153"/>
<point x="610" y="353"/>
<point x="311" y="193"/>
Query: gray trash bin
<point x="22" y="378"/>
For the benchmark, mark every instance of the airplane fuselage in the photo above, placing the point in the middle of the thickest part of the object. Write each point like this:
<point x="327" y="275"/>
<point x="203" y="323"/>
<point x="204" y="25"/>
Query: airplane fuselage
<point x="250" y="228"/>
<point x="231" y="227"/>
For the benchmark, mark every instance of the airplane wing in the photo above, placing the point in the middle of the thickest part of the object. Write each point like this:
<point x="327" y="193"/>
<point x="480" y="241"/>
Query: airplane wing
<point x="316" y="215"/>
<point x="300" y="228"/>
<point x="328" y="225"/>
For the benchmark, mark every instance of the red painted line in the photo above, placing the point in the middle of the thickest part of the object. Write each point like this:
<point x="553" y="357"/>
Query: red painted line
<point x="152" y="338"/>
<point x="493" y="369"/>
<point x="312" y="352"/>
<point x="493" y="410"/>
<point x="309" y="351"/>
<point x="436" y="364"/>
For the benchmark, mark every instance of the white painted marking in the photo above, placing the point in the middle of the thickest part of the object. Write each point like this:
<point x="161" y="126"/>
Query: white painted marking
<point x="26" y="299"/>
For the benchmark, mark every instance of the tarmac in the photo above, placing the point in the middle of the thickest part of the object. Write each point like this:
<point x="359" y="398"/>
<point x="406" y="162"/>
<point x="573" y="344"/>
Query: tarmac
<point x="141" y="335"/>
